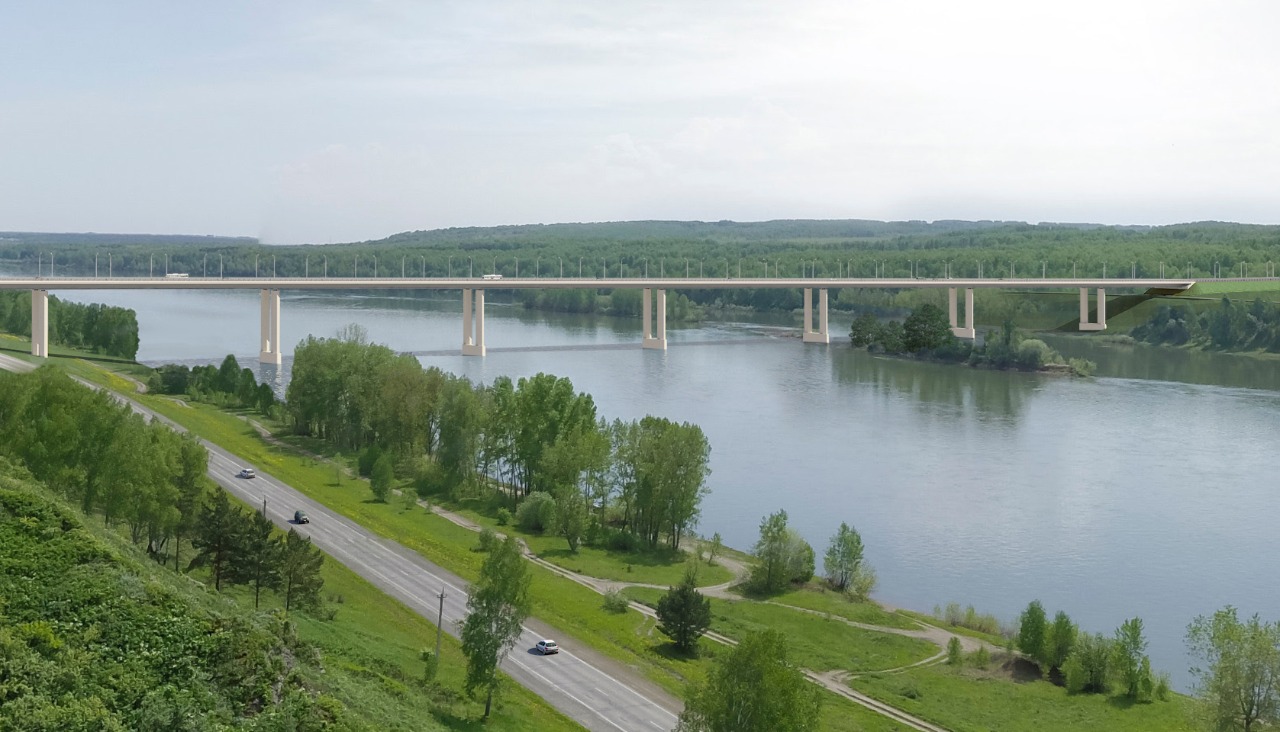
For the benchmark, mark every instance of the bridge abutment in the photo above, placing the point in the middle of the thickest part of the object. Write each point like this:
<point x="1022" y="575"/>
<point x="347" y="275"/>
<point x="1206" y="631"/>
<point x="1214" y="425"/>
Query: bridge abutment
<point x="1101" y="322"/>
<point x="473" y="322"/>
<point x="967" y="331"/>
<point x="655" y="334"/>
<point x="821" y="335"/>
<point x="40" y="323"/>
<point x="269" y="343"/>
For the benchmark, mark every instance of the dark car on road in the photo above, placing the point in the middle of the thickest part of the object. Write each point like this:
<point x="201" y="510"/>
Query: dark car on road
<point x="301" y="517"/>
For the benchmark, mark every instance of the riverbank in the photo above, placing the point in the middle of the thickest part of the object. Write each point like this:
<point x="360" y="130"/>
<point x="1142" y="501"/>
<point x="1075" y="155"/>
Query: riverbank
<point x="735" y="615"/>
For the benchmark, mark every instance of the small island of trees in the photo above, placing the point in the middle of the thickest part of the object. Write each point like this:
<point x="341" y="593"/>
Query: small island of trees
<point x="926" y="334"/>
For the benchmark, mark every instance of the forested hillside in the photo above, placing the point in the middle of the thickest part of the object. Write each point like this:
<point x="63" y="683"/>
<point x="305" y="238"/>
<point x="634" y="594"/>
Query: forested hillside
<point x="677" y="248"/>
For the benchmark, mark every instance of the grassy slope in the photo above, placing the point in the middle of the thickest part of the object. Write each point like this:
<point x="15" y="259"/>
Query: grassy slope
<point x="368" y="652"/>
<point x="976" y="701"/>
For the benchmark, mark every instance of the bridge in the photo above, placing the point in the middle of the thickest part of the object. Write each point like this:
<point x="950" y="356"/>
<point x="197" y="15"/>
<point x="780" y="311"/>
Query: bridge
<point x="654" y="313"/>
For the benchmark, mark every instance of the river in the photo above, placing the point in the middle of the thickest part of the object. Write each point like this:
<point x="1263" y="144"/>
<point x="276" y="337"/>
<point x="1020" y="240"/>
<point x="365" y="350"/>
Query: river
<point x="1148" y="491"/>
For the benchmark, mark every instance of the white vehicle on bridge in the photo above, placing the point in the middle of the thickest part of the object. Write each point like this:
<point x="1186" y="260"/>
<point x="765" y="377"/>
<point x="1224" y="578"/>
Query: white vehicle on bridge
<point x="491" y="277"/>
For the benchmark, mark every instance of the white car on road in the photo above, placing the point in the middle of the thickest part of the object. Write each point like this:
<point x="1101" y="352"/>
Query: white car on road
<point x="547" y="646"/>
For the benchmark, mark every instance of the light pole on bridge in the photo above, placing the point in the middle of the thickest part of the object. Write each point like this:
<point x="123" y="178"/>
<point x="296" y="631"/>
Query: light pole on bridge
<point x="273" y="266"/>
<point x="471" y="264"/>
<point x="375" y="265"/>
<point x="450" y="265"/>
<point x="424" y="265"/>
<point x="561" y="260"/>
<point x="255" y="265"/>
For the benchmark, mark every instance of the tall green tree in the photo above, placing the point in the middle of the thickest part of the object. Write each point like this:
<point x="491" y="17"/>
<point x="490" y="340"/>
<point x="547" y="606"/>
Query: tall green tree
<point x="772" y="553"/>
<point x="753" y="688"/>
<point x="843" y="558"/>
<point x="926" y="328"/>
<point x="218" y="536"/>
<point x="300" y="564"/>
<point x="1061" y="639"/>
<point x="382" y="476"/>
<point x="1238" y="676"/>
<point x="496" y="609"/>
<point x="684" y="613"/>
<point x="1032" y="628"/>
<point x="1130" y="648"/>
<point x="547" y="409"/>
<point x="1088" y="667"/>
<point x="863" y="331"/>
<point x="193" y="461"/>
<point x="258" y="557"/>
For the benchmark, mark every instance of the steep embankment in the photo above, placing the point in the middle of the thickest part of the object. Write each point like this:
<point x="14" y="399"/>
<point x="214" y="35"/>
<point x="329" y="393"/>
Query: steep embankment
<point x="93" y="640"/>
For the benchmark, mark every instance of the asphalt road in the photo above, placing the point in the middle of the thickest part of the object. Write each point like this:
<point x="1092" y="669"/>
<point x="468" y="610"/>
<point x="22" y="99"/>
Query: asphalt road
<point x="575" y="681"/>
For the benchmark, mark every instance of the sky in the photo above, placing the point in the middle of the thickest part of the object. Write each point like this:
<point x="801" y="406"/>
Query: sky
<point x="321" y="121"/>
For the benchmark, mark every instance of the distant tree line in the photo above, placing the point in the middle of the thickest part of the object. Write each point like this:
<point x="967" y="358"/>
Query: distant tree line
<point x="224" y="385"/>
<point x="697" y="249"/>
<point x="534" y="445"/>
<point x="150" y="480"/>
<point x="1232" y="326"/>
<point x="99" y="328"/>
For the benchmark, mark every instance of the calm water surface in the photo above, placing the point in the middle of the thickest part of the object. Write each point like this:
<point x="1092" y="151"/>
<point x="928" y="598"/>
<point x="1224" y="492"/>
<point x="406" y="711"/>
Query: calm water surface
<point x="1147" y="491"/>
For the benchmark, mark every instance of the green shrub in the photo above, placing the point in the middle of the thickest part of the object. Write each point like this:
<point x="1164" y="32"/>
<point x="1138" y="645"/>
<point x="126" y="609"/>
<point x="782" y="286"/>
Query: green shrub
<point x="503" y="516"/>
<point x="537" y="513"/>
<point x="954" y="653"/>
<point x="486" y="541"/>
<point x="981" y="658"/>
<point x="615" y="602"/>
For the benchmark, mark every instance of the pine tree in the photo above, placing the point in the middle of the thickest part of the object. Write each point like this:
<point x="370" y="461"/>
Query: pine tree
<point x="217" y="536"/>
<point x="258" y="557"/>
<point x="300" y="564"/>
<point x="683" y="613"/>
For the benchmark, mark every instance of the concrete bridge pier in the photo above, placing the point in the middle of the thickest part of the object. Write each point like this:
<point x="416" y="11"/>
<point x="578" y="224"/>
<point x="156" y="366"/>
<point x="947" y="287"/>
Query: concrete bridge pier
<point x="472" y="329"/>
<point x="1101" y="322"/>
<point x="967" y="331"/>
<point x="40" y="323"/>
<point x="269" y="344"/>
<point x="655" y="336"/>
<point x="821" y="335"/>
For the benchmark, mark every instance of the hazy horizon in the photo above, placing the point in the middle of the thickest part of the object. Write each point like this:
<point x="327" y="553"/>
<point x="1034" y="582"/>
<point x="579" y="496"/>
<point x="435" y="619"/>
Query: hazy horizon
<point x="331" y="122"/>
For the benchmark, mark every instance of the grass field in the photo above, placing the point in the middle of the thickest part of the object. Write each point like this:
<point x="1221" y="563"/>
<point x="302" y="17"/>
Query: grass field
<point x="977" y="701"/>
<point x="823" y="600"/>
<point x="658" y="567"/>
<point x="814" y="642"/>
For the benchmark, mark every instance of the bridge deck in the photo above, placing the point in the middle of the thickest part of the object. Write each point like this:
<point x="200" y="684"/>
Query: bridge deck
<point x="569" y="283"/>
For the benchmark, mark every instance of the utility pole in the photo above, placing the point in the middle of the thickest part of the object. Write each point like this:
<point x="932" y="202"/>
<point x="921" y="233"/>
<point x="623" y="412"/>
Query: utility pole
<point x="439" y="624"/>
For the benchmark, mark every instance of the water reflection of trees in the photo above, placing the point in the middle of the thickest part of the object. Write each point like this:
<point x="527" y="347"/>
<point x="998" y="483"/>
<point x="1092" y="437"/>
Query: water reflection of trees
<point x="964" y="392"/>
<point x="1164" y="363"/>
